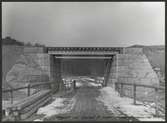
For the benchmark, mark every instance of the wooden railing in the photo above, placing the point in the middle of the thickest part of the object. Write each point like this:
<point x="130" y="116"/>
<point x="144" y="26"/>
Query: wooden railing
<point x="134" y="92"/>
<point x="28" y="87"/>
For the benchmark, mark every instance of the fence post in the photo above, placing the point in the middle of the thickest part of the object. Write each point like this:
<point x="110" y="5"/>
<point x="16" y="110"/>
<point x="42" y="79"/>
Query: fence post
<point x="116" y="88"/>
<point x="134" y="94"/>
<point x="11" y="95"/>
<point x="156" y="102"/>
<point x="50" y="86"/>
<point x="74" y="85"/>
<point x="121" y="89"/>
<point x="28" y="89"/>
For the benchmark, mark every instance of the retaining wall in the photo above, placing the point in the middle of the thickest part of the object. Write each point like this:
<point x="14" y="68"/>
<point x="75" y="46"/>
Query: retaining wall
<point x="134" y="68"/>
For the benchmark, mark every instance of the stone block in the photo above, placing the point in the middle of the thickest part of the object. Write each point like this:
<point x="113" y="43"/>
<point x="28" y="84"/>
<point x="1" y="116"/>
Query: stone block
<point x="132" y="80"/>
<point x="124" y="74"/>
<point x="122" y="79"/>
<point x="34" y="50"/>
<point x="133" y="50"/>
<point x="122" y="68"/>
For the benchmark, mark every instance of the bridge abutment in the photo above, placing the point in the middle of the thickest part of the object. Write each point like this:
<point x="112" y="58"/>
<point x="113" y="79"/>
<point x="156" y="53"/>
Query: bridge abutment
<point x="55" y="71"/>
<point x="133" y="67"/>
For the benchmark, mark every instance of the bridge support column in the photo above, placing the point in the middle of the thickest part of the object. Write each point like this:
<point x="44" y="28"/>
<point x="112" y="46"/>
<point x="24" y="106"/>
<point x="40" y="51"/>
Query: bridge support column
<point x="55" y="69"/>
<point x="108" y="63"/>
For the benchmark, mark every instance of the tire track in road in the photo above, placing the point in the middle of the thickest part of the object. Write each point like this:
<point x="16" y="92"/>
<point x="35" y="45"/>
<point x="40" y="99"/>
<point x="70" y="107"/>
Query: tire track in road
<point x="87" y="108"/>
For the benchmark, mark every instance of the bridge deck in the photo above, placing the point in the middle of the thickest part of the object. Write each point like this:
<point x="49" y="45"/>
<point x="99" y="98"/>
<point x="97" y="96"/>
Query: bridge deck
<point x="84" y="50"/>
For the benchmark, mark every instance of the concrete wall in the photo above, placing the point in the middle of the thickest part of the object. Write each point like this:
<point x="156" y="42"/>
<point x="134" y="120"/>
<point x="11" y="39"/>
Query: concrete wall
<point x="29" y="68"/>
<point x="113" y="73"/>
<point x="134" y="68"/>
<point x="10" y="54"/>
<point x="55" y="72"/>
<point x="40" y="61"/>
<point x="34" y="50"/>
<point x="133" y="51"/>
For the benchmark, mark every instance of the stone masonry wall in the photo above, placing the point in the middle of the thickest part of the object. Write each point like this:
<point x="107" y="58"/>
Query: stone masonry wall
<point x="112" y="75"/>
<point x="40" y="60"/>
<point x="133" y="50"/>
<point x="30" y="68"/>
<point x="134" y="67"/>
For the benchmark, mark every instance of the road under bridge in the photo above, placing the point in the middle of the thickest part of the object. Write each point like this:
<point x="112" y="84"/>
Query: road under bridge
<point x="113" y="64"/>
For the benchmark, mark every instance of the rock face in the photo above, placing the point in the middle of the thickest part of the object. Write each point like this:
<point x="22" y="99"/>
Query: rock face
<point x="133" y="68"/>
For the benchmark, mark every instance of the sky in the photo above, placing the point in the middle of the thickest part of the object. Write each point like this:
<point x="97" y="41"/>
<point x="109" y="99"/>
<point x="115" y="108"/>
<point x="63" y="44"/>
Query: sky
<point x="85" y="24"/>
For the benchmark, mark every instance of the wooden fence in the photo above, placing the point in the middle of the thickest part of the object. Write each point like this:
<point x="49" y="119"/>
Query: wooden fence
<point x="28" y="87"/>
<point x="134" y="92"/>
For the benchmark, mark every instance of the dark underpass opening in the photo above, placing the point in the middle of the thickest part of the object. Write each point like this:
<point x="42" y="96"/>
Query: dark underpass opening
<point x="83" y="67"/>
<point x="91" y="67"/>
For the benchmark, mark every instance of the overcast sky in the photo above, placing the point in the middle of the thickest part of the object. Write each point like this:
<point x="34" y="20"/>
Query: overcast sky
<point x="105" y="24"/>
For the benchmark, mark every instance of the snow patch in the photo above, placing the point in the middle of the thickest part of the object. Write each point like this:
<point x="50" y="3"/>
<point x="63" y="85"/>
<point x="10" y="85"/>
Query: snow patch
<point x="57" y="107"/>
<point x="38" y="120"/>
<point x="151" y="119"/>
<point x="88" y="79"/>
<point x="94" y="84"/>
<point x="79" y="84"/>
<point x="112" y="100"/>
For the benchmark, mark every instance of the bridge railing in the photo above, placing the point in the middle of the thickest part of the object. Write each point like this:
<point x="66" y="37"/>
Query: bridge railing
<point x="31" y="86"/>
<point x="134" y="85"/>
<point x="28" y="87"/>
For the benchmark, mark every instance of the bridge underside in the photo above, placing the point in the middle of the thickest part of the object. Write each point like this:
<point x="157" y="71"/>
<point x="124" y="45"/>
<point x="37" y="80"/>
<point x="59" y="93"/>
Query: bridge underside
<point x="80" y="65"/>
<point x="92" y="61"/>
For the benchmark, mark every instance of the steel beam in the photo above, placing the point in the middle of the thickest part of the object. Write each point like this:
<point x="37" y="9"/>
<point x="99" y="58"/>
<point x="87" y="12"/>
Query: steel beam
<point x="82" y="57"/>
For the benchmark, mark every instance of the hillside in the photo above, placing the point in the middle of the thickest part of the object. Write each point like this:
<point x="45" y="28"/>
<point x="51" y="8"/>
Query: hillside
<point x="155" y="55"/>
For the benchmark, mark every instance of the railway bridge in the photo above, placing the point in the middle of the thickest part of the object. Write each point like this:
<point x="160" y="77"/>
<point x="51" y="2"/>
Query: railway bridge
<point x="59" y="56"/>
<point x="114" y="64"/>
<point x="117" y="66"/>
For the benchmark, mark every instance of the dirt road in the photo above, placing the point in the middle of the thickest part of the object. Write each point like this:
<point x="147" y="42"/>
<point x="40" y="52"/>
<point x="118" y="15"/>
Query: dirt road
<point x="87" y="108"/>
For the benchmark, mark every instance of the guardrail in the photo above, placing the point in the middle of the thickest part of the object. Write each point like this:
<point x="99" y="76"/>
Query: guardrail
<point x="134" y="92"/>
<point x="28" y="87"/>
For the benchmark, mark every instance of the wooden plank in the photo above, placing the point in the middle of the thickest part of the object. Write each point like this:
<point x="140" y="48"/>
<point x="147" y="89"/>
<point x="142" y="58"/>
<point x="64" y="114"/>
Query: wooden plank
<point x="148" y="86"/>
<point x="31" y="100"/>
<point x="25" y="87"/>
<point x="14" y="89"/>
<point x="29" y="113"/>
<point x="28" y="100"/>
<point x="28" y="108"/>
